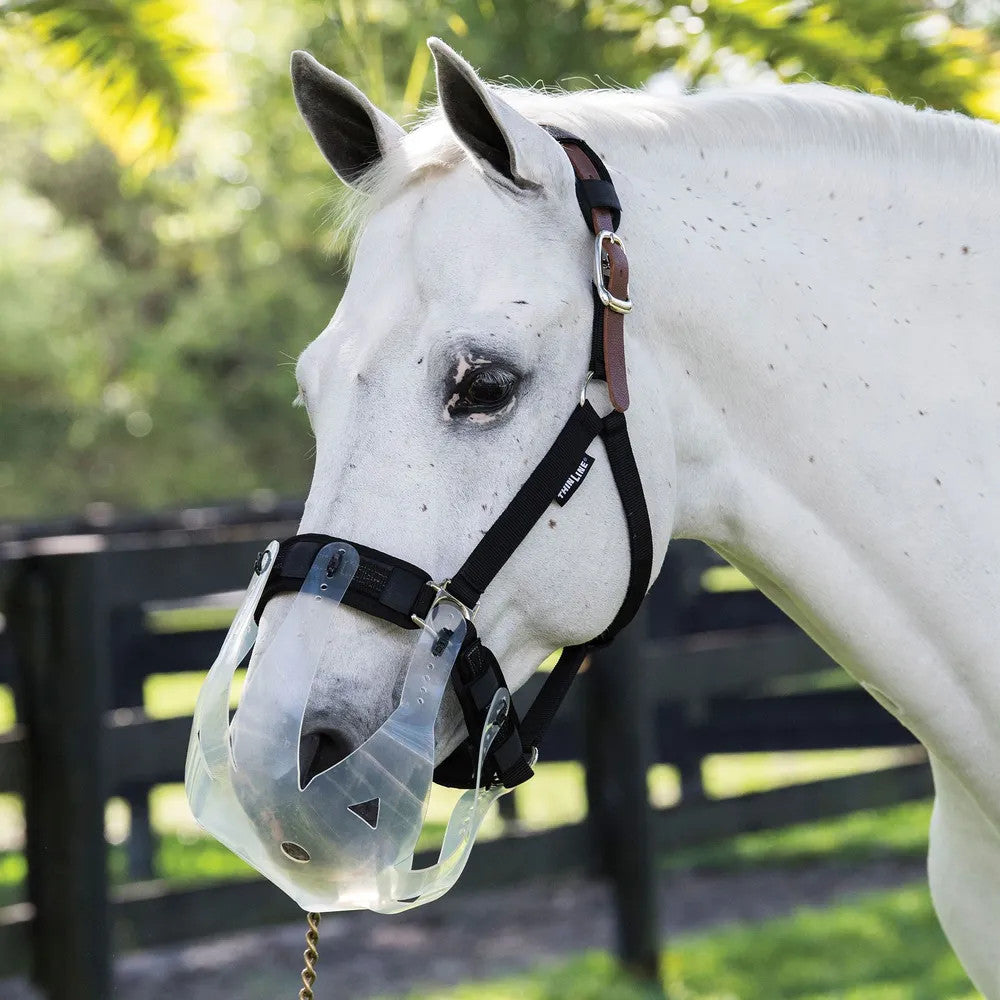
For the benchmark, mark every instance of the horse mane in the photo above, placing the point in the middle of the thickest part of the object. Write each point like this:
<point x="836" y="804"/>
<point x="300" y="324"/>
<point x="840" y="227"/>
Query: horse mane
<point x="792" y="118"/>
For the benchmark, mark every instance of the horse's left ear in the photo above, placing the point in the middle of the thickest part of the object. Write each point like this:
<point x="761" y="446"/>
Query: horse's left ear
<point x="502" y="140"/>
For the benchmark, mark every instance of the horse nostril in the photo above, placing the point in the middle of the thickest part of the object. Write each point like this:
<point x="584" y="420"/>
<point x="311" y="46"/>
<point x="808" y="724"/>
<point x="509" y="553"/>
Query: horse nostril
<point x="319" y="751"/>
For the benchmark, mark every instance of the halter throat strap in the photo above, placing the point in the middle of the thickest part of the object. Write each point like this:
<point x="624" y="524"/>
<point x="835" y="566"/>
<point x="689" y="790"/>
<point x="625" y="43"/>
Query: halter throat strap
<point x="401" y="593"/>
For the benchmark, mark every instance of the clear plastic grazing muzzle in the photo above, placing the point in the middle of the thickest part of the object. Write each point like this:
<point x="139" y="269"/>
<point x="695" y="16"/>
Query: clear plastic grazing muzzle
<point x="347" y="840"/>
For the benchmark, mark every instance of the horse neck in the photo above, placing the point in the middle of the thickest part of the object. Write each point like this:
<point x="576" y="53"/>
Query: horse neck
<point x="823" y="329"/>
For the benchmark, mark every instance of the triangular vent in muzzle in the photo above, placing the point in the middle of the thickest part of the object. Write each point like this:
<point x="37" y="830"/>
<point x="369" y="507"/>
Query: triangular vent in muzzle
<point x="367" y="812"/>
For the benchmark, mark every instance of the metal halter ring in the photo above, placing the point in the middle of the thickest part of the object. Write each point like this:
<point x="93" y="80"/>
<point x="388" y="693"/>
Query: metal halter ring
<point x="583" y="391"/>
<point x="615" y="304"/>
<point x="442" y="594"/>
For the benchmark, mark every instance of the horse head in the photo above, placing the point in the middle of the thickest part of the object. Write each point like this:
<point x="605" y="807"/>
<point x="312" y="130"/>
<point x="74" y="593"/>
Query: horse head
<point x="458" y="349"/>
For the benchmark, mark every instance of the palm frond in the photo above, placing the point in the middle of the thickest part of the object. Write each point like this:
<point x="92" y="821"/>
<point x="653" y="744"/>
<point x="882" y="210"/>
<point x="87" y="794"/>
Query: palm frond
<point x="136" y="67"/>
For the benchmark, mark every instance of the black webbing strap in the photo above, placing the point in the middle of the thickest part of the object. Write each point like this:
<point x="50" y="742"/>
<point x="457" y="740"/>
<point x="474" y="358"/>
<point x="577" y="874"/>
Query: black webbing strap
<point x="614" y="434"/>
<point x="543" y="709"/>
<point x="591" y="194"/>
<point x="531" y="501"/>
<point x="476" y="678"/>
<point x="496" y="547"/>
<point x="597" y="363"/>
<point x="383" y="585"/>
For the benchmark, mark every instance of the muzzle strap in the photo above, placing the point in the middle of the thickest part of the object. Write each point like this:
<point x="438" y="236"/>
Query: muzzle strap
<point x="384" y="586"/>
<point x="476" y="678"/>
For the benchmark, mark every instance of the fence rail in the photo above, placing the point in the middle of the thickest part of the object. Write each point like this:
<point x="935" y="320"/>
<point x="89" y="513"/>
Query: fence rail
<point x="83" y="649"/>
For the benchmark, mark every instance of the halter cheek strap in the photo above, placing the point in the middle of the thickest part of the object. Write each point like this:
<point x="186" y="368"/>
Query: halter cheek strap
<point x="401" y="593"/>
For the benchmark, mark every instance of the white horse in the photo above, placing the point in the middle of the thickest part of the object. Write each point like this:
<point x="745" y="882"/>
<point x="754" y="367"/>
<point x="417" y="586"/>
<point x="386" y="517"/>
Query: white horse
<point x="814" y="358"/>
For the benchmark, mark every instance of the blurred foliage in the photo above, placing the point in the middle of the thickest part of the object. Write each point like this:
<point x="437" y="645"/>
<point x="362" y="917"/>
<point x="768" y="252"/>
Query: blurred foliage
<point x="165" y="251"/>
<point x="886" y="946"/>
<point x="925" y="53"/>
<point x="136" y="67"/>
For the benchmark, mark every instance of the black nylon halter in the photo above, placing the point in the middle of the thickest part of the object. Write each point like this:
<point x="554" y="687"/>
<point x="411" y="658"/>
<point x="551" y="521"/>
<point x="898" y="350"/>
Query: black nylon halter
<point x="401" y="593"/>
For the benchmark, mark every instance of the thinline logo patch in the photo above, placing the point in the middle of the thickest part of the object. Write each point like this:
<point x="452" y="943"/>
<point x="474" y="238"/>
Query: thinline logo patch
<point x="571" y="485"/>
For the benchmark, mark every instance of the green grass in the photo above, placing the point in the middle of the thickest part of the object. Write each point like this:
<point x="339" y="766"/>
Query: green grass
<point x="887" y="946"/>
<point x="869" y="835"/>
<point x="196" y="619"/>
<point x="724" y="579"/>
<point x="7" y="715"/>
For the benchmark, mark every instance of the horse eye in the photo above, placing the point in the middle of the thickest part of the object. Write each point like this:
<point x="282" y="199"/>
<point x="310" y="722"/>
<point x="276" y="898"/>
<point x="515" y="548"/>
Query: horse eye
<point x="485" y="390"/>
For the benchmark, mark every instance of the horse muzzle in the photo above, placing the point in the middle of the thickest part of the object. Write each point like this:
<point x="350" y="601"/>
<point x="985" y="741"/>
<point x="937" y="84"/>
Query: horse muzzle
<point x="345" y="838"/>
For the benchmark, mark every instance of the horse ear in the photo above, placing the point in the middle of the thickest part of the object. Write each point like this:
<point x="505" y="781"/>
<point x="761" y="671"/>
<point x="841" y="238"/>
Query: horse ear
<point x="350" y="131"/>
<point x="501" y="139"/>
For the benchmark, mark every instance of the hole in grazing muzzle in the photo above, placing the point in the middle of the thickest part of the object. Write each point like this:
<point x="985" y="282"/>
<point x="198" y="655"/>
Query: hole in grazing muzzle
<point x="367" y="812"/>
<point x="295" y="853"/>
<point x="319" y="751"/>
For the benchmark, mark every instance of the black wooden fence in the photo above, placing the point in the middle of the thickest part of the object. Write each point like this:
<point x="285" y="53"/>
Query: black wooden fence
<point x="666" y="691"/>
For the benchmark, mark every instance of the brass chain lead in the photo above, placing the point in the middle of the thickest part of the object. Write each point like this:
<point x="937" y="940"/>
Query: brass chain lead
<point x="310" y="956"/>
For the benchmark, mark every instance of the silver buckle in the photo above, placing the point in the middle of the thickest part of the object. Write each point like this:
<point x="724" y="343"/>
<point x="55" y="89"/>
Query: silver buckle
<point x="615" y="304"/>
<point x="442" y="594"/>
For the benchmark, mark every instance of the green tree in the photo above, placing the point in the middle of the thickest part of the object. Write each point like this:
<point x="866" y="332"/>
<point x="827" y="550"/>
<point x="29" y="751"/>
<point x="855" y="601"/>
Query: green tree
<point x="149" y="315"/>
<point x="136" y="67"/>
<point x="915" y="51"/>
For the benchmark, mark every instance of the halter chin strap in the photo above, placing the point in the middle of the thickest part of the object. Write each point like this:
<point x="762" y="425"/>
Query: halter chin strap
<point x="403" y="594"/>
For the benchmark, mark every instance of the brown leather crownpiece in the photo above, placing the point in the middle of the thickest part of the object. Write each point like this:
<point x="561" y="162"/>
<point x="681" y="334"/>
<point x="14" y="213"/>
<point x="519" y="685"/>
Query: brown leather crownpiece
<point x="617" y="285"/>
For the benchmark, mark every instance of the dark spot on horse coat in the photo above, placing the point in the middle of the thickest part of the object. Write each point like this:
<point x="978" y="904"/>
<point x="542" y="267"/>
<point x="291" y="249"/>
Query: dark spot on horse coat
<point x="552" y="523"/>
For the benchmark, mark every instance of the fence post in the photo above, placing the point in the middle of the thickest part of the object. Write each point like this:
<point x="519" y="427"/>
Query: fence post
<point x="60" y="624"/>
<point x="618" y="744"/>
